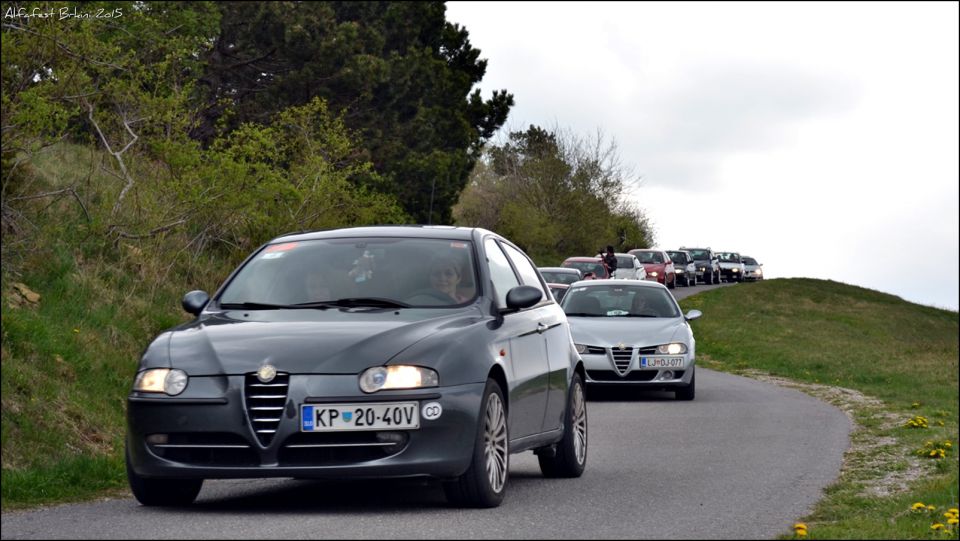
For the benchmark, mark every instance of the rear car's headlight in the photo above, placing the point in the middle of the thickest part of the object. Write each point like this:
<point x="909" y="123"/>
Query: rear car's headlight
<point x="654" y="273"/>
<point x="735" y="270"/>
<point x="397" y="377"/>
<point x="581" y="349"/>
<point x="675" y="348"/>
<point x="758" y="271"/>
<point x="161" y="380"/>
<point x="679" y="271"/>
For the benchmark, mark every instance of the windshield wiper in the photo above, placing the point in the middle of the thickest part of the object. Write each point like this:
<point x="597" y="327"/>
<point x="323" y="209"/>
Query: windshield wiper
<point x="354" y="302"/>
<point x="583" y="314"/>
<point x="640" y="315"/>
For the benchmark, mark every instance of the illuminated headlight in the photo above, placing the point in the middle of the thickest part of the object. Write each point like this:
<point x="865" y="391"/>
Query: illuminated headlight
<point x="735" y="270"/>
<point x="161" y="380"/>
<point x="675" y="348"/>
<point x="654" y="273"/>
<point x="679" y="271"/>
<point x="581" y="349"/>
<point x="702" y="269"/>
<point x="397" y="377"/>
<point x="758" y="271"/>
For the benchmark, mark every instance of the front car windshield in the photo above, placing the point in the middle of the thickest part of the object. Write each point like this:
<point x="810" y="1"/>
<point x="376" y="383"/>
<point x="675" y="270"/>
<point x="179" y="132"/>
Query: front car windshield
<point x="700" y="255"/>
<point x="595" y="267"/>
<point x="677" y="257"/>
<point x="558" y="277"/>
<point x="749" y="261"/>
<point x="729" y="257"/>
<point x="619" y="301"/>
<point x="406" y="271"/>
<point x="649" y="257"/>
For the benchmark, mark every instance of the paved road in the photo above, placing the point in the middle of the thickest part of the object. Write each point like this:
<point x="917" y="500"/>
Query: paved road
<point x="742" y="461"/>
<point x="682" y="292"/>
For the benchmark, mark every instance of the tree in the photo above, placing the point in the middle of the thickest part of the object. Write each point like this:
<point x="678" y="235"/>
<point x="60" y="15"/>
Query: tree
<point x="401" y="74"/>
<point x="554" y="194"/>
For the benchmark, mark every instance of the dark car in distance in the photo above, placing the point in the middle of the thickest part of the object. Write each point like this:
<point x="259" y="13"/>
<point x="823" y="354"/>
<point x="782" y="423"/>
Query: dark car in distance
<point x="400" y="351"/>
<point x="560" y="275"/>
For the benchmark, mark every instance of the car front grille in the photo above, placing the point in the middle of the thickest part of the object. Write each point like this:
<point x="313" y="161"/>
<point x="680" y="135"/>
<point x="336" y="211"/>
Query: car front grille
<point x="265" y="403"/>
<point x="610" y="375"/>
<point x="206" y="449"/>
<point x="621" y="358"/>
<point x="328" y="449"/>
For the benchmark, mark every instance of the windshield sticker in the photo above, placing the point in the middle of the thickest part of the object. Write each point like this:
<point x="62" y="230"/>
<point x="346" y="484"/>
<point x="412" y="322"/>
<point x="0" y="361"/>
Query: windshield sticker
<point x="458" y="245"/>
<point x="617" y="312"/>
<point x="281" y="247"/>
<point x="274" y="255"/>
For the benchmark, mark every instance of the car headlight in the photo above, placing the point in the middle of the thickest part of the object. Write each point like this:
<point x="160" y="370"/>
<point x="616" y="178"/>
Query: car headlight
<point x="654" y="273"/>
<point x="702" y="269"/>
<point x="735" y="270"/>
<point x="758" y="271"/>
<point x="679" y="271"/>
<point x="397" y="377"/>
<point x="161" y="380"/>
<point x="675" y="348"/>
<point x="581" y="349"/>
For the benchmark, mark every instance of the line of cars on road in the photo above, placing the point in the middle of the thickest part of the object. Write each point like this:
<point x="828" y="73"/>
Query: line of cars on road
<point x="685" y="266"/>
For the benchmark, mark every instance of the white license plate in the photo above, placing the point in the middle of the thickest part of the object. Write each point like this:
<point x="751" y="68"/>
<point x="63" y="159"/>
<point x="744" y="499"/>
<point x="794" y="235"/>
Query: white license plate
<point x="661" y="362"/>
<point x="344" y="417"/>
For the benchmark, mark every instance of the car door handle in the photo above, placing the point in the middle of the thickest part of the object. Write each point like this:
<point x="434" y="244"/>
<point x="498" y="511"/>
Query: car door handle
<point x="541" y="328"/>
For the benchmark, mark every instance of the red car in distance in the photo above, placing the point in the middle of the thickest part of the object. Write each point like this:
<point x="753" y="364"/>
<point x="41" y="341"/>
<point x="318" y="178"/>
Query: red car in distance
<point x="593" y="265"/>
<point x="658" y="265"/>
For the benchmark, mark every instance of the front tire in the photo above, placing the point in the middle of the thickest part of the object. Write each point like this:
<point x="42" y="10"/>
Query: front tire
<point x="689" y="392"/>
<point x="162" y="492"/>
<point x="485" y="481"/>
<point x="570" y="458"/>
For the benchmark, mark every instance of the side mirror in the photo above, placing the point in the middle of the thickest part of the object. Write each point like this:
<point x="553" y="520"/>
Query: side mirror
<point x="194" y="301"/>
<point x="522" y="297"/>
<point x="692" y="315"/>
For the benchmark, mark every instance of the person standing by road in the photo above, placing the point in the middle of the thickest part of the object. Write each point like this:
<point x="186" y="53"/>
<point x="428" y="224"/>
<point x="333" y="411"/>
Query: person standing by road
<point x="610" y="261"/>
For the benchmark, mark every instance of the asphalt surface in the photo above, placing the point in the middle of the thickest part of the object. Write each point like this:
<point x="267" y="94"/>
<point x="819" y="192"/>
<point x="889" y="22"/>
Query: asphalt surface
<point x="743" y="461"/>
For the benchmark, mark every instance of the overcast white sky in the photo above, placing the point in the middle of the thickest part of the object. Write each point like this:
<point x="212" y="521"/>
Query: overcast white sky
<point x="820" y="138"/>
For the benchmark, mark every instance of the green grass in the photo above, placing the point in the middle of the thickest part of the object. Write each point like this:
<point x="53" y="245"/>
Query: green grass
<point x="901" y="358"/>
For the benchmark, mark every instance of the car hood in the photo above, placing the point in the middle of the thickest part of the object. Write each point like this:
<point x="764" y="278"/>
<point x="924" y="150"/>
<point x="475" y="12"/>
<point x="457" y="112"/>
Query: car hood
<point x="653" y="267"/>
<point x="631" y="331"/>
<point x="751" y="267"/>
<point x="729" y="265"/>
<point x="304" y="341"/>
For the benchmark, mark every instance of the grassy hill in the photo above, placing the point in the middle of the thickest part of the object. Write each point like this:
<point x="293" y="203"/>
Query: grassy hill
<point x="885" y="361"/>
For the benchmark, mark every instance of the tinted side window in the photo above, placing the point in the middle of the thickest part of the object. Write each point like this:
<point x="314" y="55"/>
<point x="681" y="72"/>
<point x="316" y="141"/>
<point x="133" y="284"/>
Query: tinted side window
<point x="501" y="274"/>
<point x="526" y="269"/>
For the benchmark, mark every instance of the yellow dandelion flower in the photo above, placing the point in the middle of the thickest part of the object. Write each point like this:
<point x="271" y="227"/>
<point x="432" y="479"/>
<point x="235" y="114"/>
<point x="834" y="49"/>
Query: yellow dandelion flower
<point x="952" y="521"/>
<point x="954" y="510"/>
<point x="947" y="444"/>
<point x="801" y="533"/>
<point x="76" y="330"/>
<point x="931" y="508"/>
<point x="937" y="526"/>
<point x="918" y="506"/>
<point x="940" y="423"/>
<point x="799" y="526"/>
<point x="916" y="404"/>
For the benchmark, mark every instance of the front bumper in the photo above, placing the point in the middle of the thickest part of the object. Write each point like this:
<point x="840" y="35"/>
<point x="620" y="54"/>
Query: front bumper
<point x="605" y="369"/>
<point x="730" y="274"/>
<point x="211" y="436"/>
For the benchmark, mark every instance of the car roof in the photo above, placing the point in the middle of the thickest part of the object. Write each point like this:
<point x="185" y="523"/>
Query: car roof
<point x="417" y="231"/>
<point x="556" y="285"/>
<point x="568" y="270"/>
<point x="617" y="282"/>
<point x="582" y="258"/>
